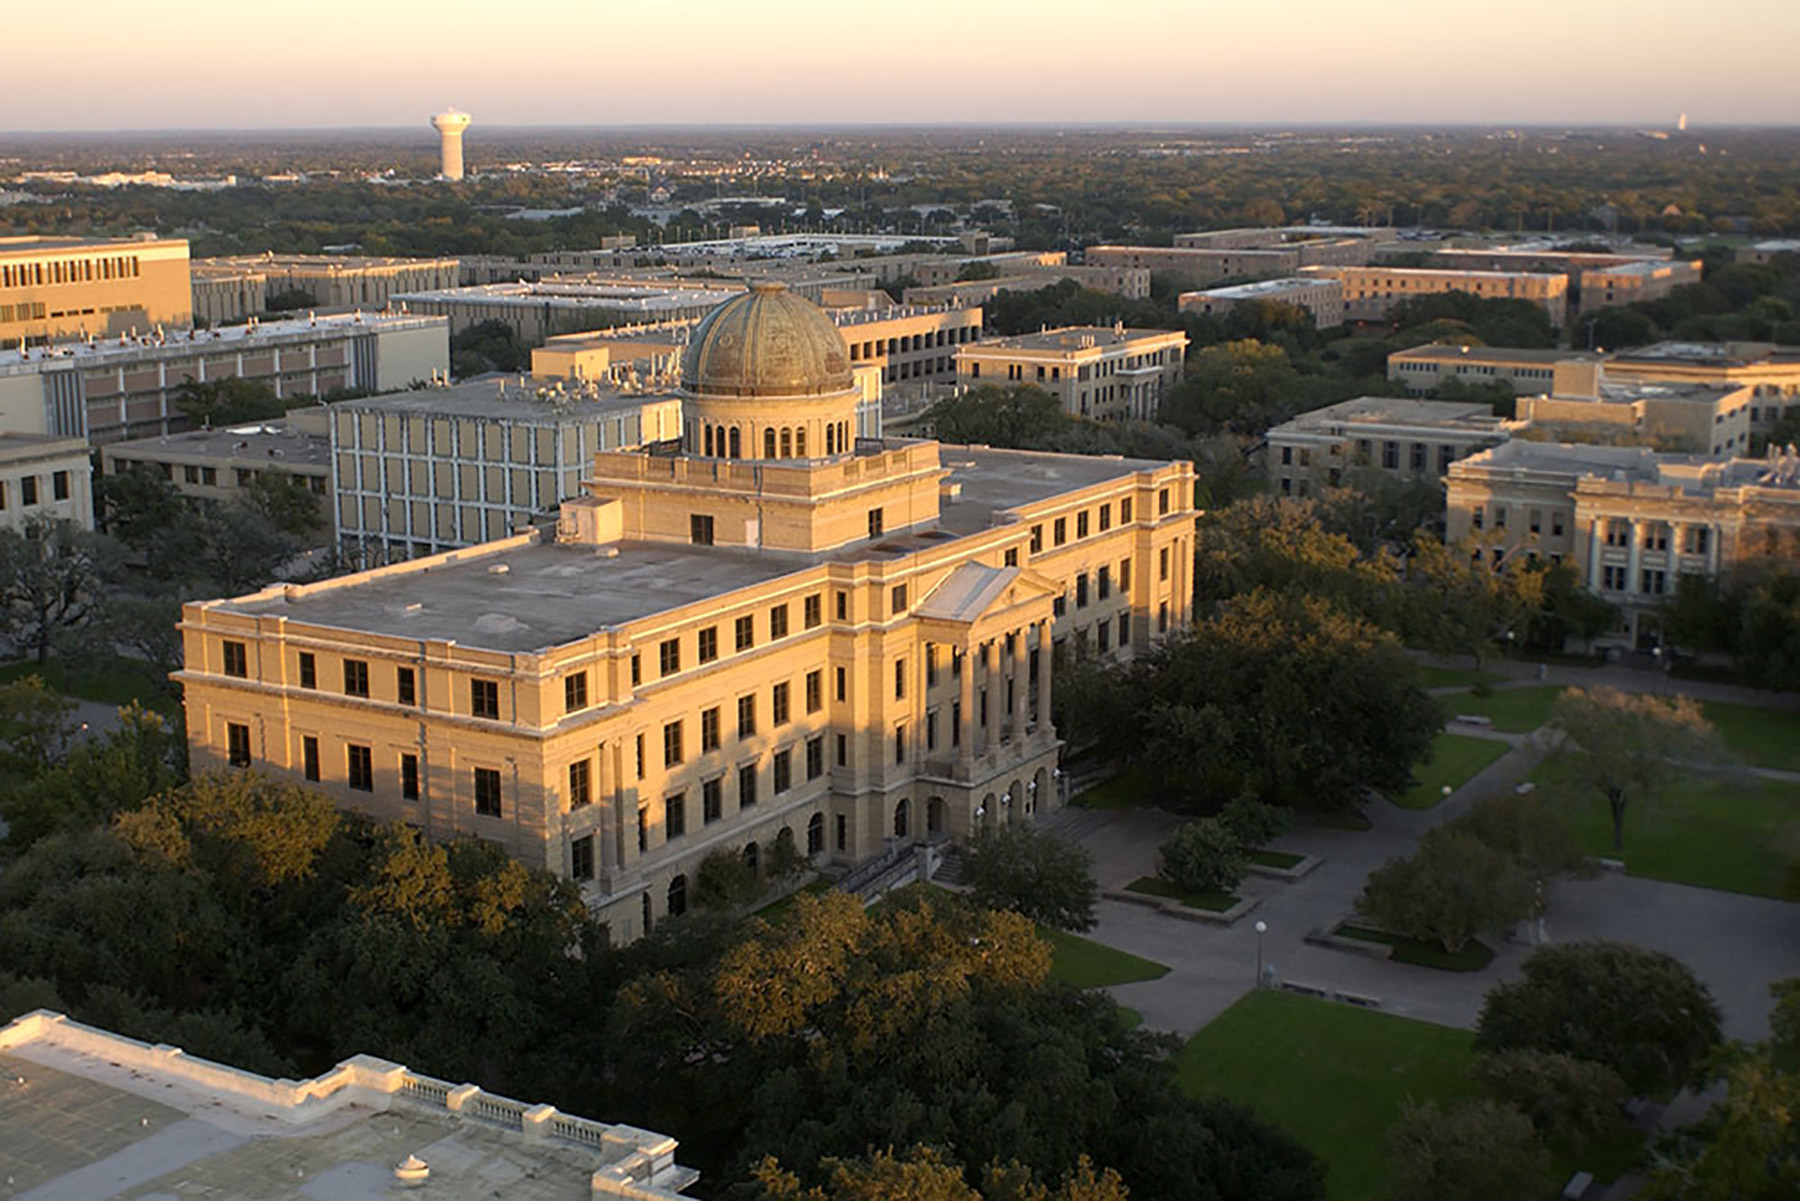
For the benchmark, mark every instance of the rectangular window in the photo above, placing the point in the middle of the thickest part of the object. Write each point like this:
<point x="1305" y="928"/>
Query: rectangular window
<point x="899" y="679"/>
<point x="784" y="771"/>
<point x="360" y="761"/>
<point x="409" y="777"/>
<point x="815" y="691"/>
<point x="778" y="622"/>
<point x="643" y="827"/>
<point x="931" y="730"/>
<point x="237" y="744"/>
<point x="898" y="599"/>
<point x="484" y="698"/>
<point x="812" y="611"/>
<point x="1081" y="591"/>
<point x="1081" y="524"/>
<point x="843" y="832"/>
<point x="745" y="630"/>
<point x="674" y="816"/>
<point x="1105" y="518"/>
<point x="843" y="684"/>
<point x="640" y="756"/>
<point x="700" y="529"/>
<point x="1103" y="582"/>
<point x="815" y="757"/>
<point x="1124" y="575"/>
<point x="746" y="716"/>
<point x="309" y="757"/>
<point x="356" y="677"/>
<point x="1037" y="539"/>
<point x="1124" y="631"/>
<point x="1012" y="556"/>
<point x="1059" y="531"/>
<point x="843" y="606"/>
<point x="876" y="525"/>
<point x="581" y="858"/>
<point x="1162" y="502"/>
<point x="637" y="670"/>
<point x="899" y="744"/>
<point x="709" y="729"/>
<point x="487" y="791"/>
<point x="843" y="750"/>
<point x="406" y="686"/>
<point x="1162" y="564"/>
<point x="1125" y="509"/>
<point x="581" y="783"/>
<point x="746" y="786"/>
<point x="59" y="485"/>
<point x="707" y="644"/>
<point x="778" y="704"/>
<point x="28" y="489"/>
<point x="237" y="660"/>
<point x="672" y="753"/>
<point x="575" y="692"/>
<point x="712" y="801"/>
<point x="669" y="657"/>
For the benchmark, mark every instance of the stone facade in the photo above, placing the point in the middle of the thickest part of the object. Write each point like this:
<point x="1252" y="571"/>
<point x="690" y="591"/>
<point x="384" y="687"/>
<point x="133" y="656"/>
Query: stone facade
<point x="1094" y="371"/>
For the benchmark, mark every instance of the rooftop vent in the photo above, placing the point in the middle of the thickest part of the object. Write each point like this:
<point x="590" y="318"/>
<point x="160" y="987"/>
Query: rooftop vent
<point x="500" y="569"/>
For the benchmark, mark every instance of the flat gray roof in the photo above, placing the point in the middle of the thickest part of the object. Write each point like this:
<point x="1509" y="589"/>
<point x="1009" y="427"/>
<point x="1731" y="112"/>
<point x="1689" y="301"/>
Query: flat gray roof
<point x="1068" y="338"/>
<point x="187" y="342"/>
<point x="1394" y="410"/>
<point x="534" y="597"/>
<point x="1498" y="354"/>
<point x="260" y="444"/>
<point x="1574" y="458"/>
<point x="503" y="397"/>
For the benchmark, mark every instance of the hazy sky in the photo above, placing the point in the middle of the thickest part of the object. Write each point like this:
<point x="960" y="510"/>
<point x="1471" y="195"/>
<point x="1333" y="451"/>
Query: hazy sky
<point x="109" y="64"/>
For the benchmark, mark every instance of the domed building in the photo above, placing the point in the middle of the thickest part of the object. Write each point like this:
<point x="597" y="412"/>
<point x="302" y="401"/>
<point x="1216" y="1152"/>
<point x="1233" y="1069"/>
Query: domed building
<point x="780" y="629"/>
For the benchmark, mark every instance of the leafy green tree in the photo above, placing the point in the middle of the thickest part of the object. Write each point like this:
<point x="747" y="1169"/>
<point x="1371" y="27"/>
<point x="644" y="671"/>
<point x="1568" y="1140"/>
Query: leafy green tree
<point x="36" y="723"/>
<point x="1032" y="871"/>
<point x="1748" y="1147"/>
<point x="487" y="346"/>
<point x="1377" y="510"/>
<point x="228" y="401"/>
<point x="95" y="778"/>
<point x="1244" y="386"/>
<point x="1253" y="823"/>
<point x="136" y="503"/>
<point x="52" y="579"/>
<point x="1452" y="888"/>
<point x="991" y="415"/>
<point x="1285" y="546"/>
<point x="289" y="300"/>
<point x="1532" y="833"/>
<point x="286" y="502"/>
<point x="1282" y="697"/>
<point x="1641" y="1013"/>
<point x="1565" y="1097"/>
<point x="1629" y="747"/>
<point x="1203" y="856"/>
<point x="724" y="881"/>
<point x="1475" y="1151"/>
<point x="1459" y="600"/>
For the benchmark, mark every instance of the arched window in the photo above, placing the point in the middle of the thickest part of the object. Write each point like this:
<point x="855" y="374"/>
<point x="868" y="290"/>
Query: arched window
<point x="815" y="834"/>
<point x="646" y="913"/>
<point x="902" y="818"/>
<point x="831" y="439"/>
<point x="769" y="443"/>
<point x="737" y="451"/>
<point x="678" y="896"/>
<point x="709" y="441"/>
<point x="800" y="442"/>
<point x="752" y="856"/>
<point x="787" y="443"/>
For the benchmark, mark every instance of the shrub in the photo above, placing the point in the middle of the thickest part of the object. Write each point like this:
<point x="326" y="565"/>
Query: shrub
<point x="1253" y="822"/>
<point x="1475" y="1151"/>
<point x="1032" y="871"/>
<point x="1449" y="890"/>
<point x="1203" y="856"/>
<point x="724" y="881"/>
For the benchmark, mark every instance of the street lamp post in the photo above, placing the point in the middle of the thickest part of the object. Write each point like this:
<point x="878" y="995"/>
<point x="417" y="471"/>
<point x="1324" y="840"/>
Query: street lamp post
<point x="1261" y="929"/>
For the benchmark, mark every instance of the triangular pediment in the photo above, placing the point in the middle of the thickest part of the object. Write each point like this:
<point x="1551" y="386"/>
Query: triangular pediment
<point x="974" y="590"/>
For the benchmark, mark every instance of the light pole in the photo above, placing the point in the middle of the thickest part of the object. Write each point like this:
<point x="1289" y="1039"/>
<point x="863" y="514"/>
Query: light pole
<point x="1262" y="928"/>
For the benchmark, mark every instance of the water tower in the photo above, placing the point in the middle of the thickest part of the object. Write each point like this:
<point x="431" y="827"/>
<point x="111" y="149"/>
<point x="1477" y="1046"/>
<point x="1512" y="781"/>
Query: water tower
<point x="450" y="125"/>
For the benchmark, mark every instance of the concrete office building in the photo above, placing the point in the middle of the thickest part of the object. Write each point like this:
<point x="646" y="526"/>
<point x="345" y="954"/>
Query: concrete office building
<point x="536" y="311"/>
<point x="1772" y="373"/>
<point x="424" y="471"/>
<point x="1131" y="283"/>
<point x="1323" y="298"/>
<point x="55" y="289"/>
<point x="1371" y="292"/>
<point x="1626" y="283"/>
<point x="91" y="1113"/>
<point x="1410" y="439"/>
<point x="450" y="124"/>
<point x="1103" y="373"/>
<point x="44" y="477"/>
<point x="1196" y="267"/>
<point x="1767" y="251"/>
<point x="1631" y="521"/>
<point x="771" y="635"/>
<point x="106" y="391"/>
<point x="221" y="464"/>
<point x="1670" y="417"/>
<point x="1561" y="372"/>
<point x="229" y="290"/>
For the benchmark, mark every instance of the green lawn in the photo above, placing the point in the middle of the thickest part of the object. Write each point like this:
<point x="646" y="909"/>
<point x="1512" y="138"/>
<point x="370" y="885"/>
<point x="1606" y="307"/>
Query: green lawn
<point x="1455" y="759"/>
<point x="1334" y="1076"/>
<point x="1450" y="677"/>
<point x="1513" y="710"/>
<point x="1760" y="737"/>
<point x="1473" y="956"/>
<point x="1156" y="886"/>
<point x="1120" y="792"/>
<point x="1713" y="833"/>
<point x="1083" y="963"/>
<point x="119" y="685"/>
<point x="1268" y="858"/>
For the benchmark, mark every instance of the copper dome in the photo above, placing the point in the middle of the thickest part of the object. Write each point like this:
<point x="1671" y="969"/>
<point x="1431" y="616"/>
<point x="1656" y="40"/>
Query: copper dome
<point x="766" y="342"/>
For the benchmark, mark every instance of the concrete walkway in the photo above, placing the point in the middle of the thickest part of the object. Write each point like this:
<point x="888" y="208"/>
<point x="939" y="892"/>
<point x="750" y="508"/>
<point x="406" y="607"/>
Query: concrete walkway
<point x="1738" y="945"/>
